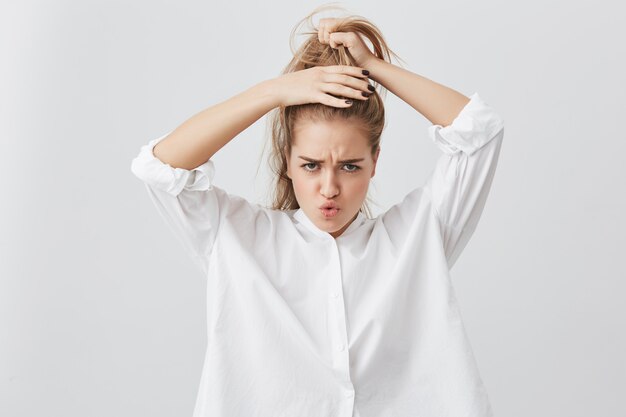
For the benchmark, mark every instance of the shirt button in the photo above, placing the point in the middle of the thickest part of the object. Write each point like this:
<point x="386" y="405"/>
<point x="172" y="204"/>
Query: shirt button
<point x="340" y="347"/>
<point x="350" y="394"/>
<point x="334" y="294"/>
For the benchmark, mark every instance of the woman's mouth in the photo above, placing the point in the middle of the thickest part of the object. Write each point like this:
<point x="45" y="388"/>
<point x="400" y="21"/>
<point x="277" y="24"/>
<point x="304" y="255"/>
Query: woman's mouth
<point x="329" y="212"/>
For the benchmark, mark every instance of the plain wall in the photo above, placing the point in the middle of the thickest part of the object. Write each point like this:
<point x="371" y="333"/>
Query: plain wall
<point x="102" y="313"/>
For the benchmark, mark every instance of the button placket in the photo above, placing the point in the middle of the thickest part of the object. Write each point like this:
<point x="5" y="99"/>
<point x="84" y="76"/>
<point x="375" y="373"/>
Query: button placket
<point x="340" y="338"/>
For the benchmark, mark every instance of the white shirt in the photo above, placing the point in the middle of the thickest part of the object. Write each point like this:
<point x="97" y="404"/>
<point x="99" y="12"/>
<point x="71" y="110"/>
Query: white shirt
<point x="367" y="325"/>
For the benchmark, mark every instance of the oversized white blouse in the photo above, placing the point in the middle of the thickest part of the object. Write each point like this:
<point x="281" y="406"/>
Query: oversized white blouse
<point x="365" y="325"/>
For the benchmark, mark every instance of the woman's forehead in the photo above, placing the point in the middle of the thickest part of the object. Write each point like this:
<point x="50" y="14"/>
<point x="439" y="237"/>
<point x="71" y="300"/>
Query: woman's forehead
<point x="330" y="147"/>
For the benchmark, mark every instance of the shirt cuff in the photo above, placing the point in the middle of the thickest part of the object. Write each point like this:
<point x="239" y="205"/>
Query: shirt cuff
<point x="474" y="126"/>
<point x="158" y="174"/>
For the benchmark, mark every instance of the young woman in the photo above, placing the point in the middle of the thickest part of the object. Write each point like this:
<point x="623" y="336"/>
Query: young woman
<point x="314" y="307"/>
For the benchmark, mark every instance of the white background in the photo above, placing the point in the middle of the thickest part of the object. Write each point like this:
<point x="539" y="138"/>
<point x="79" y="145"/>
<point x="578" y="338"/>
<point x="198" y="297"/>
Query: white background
<point x="103" y="314"/>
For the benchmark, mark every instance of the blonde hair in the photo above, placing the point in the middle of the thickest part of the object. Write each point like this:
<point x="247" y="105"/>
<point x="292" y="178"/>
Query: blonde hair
<point x="368" y="115"/>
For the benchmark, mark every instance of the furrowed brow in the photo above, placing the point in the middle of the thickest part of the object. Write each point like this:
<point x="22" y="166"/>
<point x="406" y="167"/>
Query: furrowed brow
<point x="345" y="161"/>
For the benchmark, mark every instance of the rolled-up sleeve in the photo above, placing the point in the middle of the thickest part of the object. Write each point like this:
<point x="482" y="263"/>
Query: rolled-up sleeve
<point x="187" y="200"/>
<point x="460" y="182"/>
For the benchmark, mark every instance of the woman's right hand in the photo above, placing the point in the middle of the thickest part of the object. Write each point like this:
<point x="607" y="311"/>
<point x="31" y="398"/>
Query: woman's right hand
<point x="322" y="84"/>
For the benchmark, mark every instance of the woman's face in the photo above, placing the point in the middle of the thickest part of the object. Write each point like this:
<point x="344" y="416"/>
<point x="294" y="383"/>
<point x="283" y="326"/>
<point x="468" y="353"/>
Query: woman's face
<point x="330" y="161"/>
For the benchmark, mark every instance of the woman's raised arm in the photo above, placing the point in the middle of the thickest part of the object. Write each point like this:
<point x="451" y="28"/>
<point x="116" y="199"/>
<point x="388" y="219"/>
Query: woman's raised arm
<point x="202" y="135"/>
<point x="438" y="103"/>
<point x="469" y="132"/>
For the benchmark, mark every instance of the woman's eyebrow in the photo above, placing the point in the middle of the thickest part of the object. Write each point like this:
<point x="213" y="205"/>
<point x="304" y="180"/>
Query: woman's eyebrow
<point x="345" y="161"/>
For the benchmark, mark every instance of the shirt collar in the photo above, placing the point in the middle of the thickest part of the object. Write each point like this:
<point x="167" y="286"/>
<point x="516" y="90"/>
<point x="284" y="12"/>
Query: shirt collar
<point x="301" y="217"/>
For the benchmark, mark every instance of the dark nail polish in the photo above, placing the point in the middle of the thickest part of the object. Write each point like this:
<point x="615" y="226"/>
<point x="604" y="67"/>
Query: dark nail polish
<point x="365" y="94"/>
<point x="348" y="101"/>
<point x="371" y="88"/>
<point x="365" y="72"/>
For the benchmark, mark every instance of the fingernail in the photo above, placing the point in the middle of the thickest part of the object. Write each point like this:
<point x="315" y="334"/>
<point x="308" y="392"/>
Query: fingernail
<point x="371" y="88"/>
<point x="348" y="101"/>
<point x="365" y="72"/>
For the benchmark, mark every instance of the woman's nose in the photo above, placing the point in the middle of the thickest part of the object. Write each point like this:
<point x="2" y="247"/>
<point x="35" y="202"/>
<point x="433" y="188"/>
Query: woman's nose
<point x="329" y="186"/>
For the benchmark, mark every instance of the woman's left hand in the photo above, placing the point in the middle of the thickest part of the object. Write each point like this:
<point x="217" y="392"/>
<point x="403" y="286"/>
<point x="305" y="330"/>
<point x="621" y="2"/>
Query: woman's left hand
<point x="351" y="40"/>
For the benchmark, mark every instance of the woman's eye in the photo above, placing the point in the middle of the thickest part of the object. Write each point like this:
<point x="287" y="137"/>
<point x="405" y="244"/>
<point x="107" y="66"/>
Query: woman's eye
<point x="306" y="165"/>
<point x="354" y="167"/>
